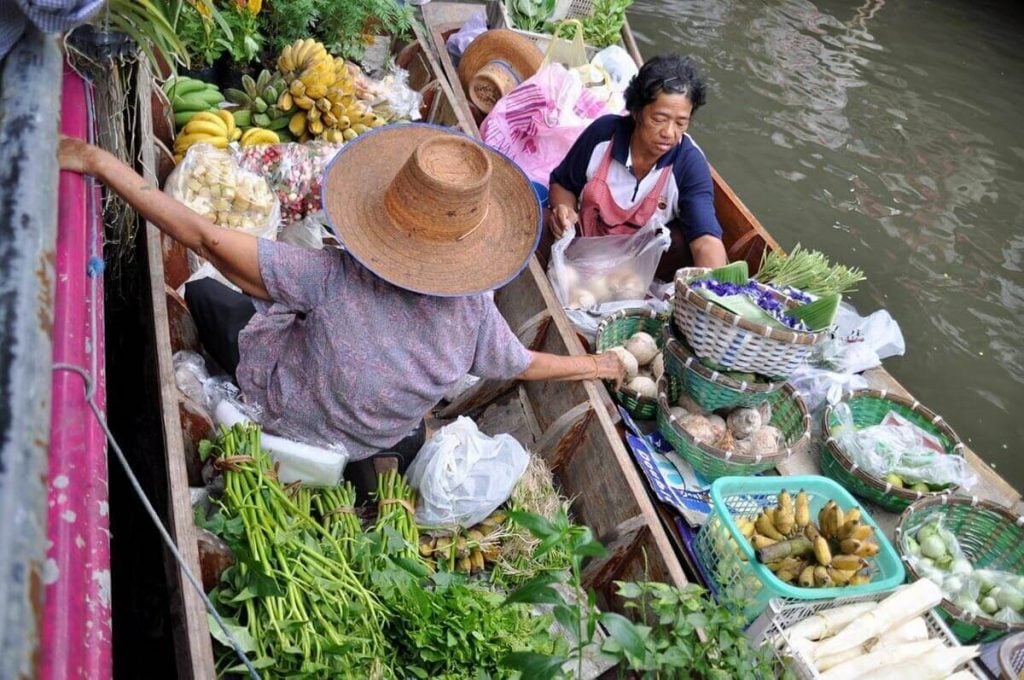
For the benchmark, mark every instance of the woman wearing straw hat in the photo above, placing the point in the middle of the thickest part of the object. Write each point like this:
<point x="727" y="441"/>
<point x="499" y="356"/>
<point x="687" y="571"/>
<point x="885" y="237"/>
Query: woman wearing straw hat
<point x="625" y="171"/>
<point x="356" y="347"/>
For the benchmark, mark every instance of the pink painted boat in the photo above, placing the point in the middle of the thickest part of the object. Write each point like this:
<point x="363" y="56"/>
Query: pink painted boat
<point x="76" y="630"/>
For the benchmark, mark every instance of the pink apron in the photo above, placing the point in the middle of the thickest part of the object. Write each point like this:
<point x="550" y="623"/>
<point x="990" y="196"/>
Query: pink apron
<point x="600" y="215"/>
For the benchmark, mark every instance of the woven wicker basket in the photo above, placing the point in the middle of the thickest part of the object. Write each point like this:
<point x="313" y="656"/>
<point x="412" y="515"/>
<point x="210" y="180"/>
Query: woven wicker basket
<point x="613" y="331"/>
<point x="708" y="387"/>
<point x="733" y="342"/>
<point x="869" y="407"/>
<point x="789" y="414"/>
<point x="991" y="538"/>
<point x="1011" y="657"/>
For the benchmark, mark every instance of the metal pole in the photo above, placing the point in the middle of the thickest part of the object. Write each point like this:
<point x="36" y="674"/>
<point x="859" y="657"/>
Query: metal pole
<point x="29" y="114"/>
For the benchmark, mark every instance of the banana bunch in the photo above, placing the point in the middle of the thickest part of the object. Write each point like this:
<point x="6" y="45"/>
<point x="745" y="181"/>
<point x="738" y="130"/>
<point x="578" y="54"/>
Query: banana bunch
<point x="257" y="102"/>
<point x="469" y="553"/>
<point x="256" y="136"/>
<point x="216" y="128"/>
<point x="831" y="553"/>
<point x="189" y="96"/>
<point x="321" y="95"/>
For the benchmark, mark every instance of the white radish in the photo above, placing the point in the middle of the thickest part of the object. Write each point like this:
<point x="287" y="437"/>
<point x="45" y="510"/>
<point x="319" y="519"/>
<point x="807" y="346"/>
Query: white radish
<point x="644" y="386"/>
<point x="911" y="631"/>
<point x="658" y="366"/>
<point x="903" y="605"/>
<point x="643" y="347"/>
<point x="937" y="664"/>
<point x="868" y="663"/>
<point x="828" y="622"/>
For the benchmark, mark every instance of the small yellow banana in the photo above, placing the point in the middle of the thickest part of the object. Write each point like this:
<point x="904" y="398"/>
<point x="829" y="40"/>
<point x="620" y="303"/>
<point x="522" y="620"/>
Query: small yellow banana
<point x="202" y="127"/>
<point x="229" y="120"/>
<point x="210" y="117"/>
<point x="297" y="125"/>
<point x="822" y="553"/>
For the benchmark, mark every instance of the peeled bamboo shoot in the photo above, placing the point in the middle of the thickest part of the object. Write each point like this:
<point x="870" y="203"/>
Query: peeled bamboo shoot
<point x="854" y="669"/>
<point x="937" y="664"/>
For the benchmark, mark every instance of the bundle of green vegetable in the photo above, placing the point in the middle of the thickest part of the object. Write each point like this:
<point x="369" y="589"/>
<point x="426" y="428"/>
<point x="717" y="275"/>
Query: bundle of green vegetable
<point x="604" y="25"/>
<point x="530" y="15"/>
<point x="809" y="271"/>
<point x="937" y="555"/>
<point x="292" y="598"/>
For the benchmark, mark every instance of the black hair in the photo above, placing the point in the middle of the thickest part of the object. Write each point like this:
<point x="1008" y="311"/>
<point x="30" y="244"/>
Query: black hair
<point x="666" y="73"/>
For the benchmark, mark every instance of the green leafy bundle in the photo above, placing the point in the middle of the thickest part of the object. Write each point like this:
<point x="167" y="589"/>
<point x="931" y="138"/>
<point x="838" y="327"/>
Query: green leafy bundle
<point x="603" y="27"/>
<point x="809" y="271"/>
<point x="530" y="15"/>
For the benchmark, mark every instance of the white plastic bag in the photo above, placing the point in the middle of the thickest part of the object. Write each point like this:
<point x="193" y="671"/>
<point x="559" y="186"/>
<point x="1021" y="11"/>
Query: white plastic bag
<point x="458" y="42"/>
<point x="616" y="62"/>
<point x="588" y="271"/>
<point x="861" y="342"/>
<point x="463" y="475"/>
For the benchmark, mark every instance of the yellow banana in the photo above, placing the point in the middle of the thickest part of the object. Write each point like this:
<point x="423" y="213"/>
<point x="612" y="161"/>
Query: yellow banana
<point x="822" y="553"/>
<point x="349" y="134"/>
<point x="316" y="126"/>
<point x="763" y="524"/>
<point x="867" y="549"/>
<point x="806" y="579"/>
<point x="359" y="128"/>
<point x="229" y="120"/>
<point x="839" y="576"/>
<point x="286" y="62"/>
<point x="285" y="101"/>
<point x="236" y="134"/>
<point x="203" y="127"/>
<point x="297" y="88"/>
<point x="822" y="577"/>
<point x="297" y="125"/>
<point x="185" y="141"/>
<point x="848" y="562"/>
<point x="802" y="512"/>
<point x="303" y="102"/>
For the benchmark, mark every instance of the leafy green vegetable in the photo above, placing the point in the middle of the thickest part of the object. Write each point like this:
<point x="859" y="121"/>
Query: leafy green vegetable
<point x="808" y="270"/>
<point x="530" y="15"/>
<point x="604" y="26"/>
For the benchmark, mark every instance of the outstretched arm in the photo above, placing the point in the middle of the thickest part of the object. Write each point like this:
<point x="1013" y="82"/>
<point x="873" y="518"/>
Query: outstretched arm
<point x="233" y="253"/>
<point x="544" y="366"/>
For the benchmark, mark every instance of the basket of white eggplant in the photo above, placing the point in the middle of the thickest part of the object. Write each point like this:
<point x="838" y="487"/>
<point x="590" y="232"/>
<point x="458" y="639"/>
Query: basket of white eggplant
<point x="635" y="336"/>
<point x="895" y="635"/>
<point x="974" y="550"/>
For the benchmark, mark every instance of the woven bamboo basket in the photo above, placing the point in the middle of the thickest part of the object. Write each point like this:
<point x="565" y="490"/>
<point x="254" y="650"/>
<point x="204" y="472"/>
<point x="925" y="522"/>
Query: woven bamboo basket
<point x="789" y="414"/>
<point x="869" y="407"/>
<point x="709" y="388"/>
<point x="1011" y="657"/>
<point x="991" y="538"/>
<point x="613" y="331"/>
<point x="733" y="342"/>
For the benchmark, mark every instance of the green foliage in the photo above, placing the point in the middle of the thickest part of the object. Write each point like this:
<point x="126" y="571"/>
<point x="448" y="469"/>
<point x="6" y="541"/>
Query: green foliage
<point x="530" y="15"/>
<point x="285" y="22"/>
<point x="202" y="36"/>
<point x="670" y="646"/>
<point x="150" y="23"/>
<point x="809" y="271"/>
<point x="603" y="26"/>
<point x="343" y="23"/>
<point x="245" y="43"/>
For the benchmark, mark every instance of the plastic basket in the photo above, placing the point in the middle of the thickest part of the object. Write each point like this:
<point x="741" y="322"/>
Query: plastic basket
<point x="708" y="387"/>
<point x="789" y="414"/>
<point x="991" y="538"/>
<point x="613" y="331"/>
<point x="733" y="342"/>
<point x="782" y="614"/>
<point x="869" y="407"/>
<point x="1011" y="657"/>
<point x="729" y="557"/>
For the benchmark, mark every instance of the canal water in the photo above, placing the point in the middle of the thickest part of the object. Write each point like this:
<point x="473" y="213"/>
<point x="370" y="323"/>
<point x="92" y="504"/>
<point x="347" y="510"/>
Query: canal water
<point x="889" y="136"/>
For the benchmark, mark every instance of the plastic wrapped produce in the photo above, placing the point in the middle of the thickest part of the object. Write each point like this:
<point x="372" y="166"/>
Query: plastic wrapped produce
<point x="293" y="172"/>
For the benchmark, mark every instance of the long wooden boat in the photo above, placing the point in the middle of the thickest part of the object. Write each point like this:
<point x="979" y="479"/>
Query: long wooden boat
<point x="744" y="236"/>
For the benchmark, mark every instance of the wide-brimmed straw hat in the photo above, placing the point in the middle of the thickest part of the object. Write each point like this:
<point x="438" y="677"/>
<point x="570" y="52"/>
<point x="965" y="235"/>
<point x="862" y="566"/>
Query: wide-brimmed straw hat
<point x="495" y="63"/>
<point x="431" y="210"/>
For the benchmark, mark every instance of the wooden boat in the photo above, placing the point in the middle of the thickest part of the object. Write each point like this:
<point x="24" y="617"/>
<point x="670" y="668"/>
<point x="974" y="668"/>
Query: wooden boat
<point x="744" y="237"/>
<point x="574" y="426"/>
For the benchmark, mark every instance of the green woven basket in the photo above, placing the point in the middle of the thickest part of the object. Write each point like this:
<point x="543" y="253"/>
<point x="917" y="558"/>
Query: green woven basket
<point x="991" y="538"/>
<point x="789" y="414"/>
<point x="708" y="387"/>
<point x="869" y="407"/>
<point x="614" y="331"/>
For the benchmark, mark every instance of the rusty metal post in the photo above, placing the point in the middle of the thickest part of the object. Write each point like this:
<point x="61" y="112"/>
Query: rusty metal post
<point x="29" y="112"/>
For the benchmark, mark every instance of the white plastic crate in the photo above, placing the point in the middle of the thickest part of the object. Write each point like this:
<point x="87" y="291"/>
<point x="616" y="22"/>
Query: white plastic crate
<point x="1011" y="657"/>
<point x="782" y="614"/>
<point x="498" y="17"/>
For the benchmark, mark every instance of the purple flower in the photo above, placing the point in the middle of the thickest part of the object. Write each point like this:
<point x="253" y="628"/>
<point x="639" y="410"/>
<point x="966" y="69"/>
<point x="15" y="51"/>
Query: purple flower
<point x="761" y="295"/>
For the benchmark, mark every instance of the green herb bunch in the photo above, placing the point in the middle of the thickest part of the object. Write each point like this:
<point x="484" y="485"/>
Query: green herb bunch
<point x="809" y="271"/>
<point x="603" y="27"/>
<point x="530" y="15"/>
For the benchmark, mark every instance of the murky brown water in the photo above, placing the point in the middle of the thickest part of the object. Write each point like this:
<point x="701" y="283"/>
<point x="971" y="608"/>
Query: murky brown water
<point x="889" y="135"/>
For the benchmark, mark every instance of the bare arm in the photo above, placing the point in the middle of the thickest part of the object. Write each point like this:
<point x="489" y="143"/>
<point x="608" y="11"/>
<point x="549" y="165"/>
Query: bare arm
<point x="708" y="251"/>
<point x="544" y="366"/>
<point x="563" y="209"/>
<point x="233" y="253"/>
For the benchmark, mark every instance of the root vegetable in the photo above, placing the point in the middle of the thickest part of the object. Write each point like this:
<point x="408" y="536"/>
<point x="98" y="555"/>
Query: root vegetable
<point x="768" y="439"/>
<point x="936" y="664"/>
<point x="643" y="347"/>
<point x="857" y="668"/>
<point x="691" y="405"/>
<point x="914" y="630"/>
<point x="644" y="386"/>
<point x="699" y="427"/>
<point x="658" y="366"/>
<point x="743" y="422"/>
<point x="828" y="622"/>
<point x="677" y="412"/>
<point x="628" y="362"/>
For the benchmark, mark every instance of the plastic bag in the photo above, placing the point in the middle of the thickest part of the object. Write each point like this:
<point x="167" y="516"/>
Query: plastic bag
<point x="620" y="67"/>
<point x="898" y="446"/>
<point x="308" y="232"/>
<point x="817" y="386"/>
<point x="571" y="52"/>
<point x="210" y="182"/>
<point x="536" y="123"/>
<point x="458" y="42"/>
<point x="586" y="321"/>
<point x="463" y="475"/>
<point x="587" y="271"/>
<point x="859" y="343"/>
<point x="294" y="173"/>
<point x="295" y="461"/>
<point x="395" y="100"/>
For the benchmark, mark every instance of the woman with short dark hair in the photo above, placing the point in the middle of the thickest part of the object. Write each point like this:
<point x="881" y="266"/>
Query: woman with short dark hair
<point x="626" y="171"/>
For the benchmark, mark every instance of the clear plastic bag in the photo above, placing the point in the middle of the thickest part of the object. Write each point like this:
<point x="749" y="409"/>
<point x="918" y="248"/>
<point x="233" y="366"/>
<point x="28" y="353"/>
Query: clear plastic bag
<point x="458" y="42"/>
<point x="293" y="172"/>
<point x="394" y="100"/>
<point x="616" y="62"/>
<point x="210" y="182"/>
<point x="463" y="475"/>
<point x="308" y="232"/>
<point x="589" y="271"/>
<point x="897" y="446"/>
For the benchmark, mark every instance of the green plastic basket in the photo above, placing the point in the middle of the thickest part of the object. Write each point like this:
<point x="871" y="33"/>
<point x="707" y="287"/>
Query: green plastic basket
<point x="789" y="414"/>
<point x="708" y="387"/>
<point x="613" y="331"/>
<point x="729" y="558"/>
<point x="991" y="538"/>
<point x="869" y="407"/>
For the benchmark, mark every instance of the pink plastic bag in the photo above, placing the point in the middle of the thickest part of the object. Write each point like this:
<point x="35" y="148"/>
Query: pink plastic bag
<point x="536" y="123"/>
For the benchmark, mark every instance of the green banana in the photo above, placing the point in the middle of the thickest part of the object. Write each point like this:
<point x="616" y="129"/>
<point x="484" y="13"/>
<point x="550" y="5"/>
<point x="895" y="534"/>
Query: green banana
<point x="261" y="120"/>
<point x="263" y="80"/>
<point x="182" y="86"/>
<point x="249" y="85"/>
<point x="183" y="116"/>
<point x="259" y="105"/>
<point x="243" y="118"/>
<point x="238" y="97"/>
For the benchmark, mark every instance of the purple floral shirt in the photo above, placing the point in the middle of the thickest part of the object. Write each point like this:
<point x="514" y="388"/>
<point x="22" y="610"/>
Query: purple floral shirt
<point x="343" y="356"/>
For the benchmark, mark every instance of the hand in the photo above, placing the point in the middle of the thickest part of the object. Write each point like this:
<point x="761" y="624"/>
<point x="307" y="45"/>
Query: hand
<point x="563" y="218"/>
<point x="610" y="367"/>
<point x="75" y="155"/>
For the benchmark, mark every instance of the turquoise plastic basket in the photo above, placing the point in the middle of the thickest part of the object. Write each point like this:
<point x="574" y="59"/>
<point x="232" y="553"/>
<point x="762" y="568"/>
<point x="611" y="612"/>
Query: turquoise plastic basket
<point x="729" y="558"/>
